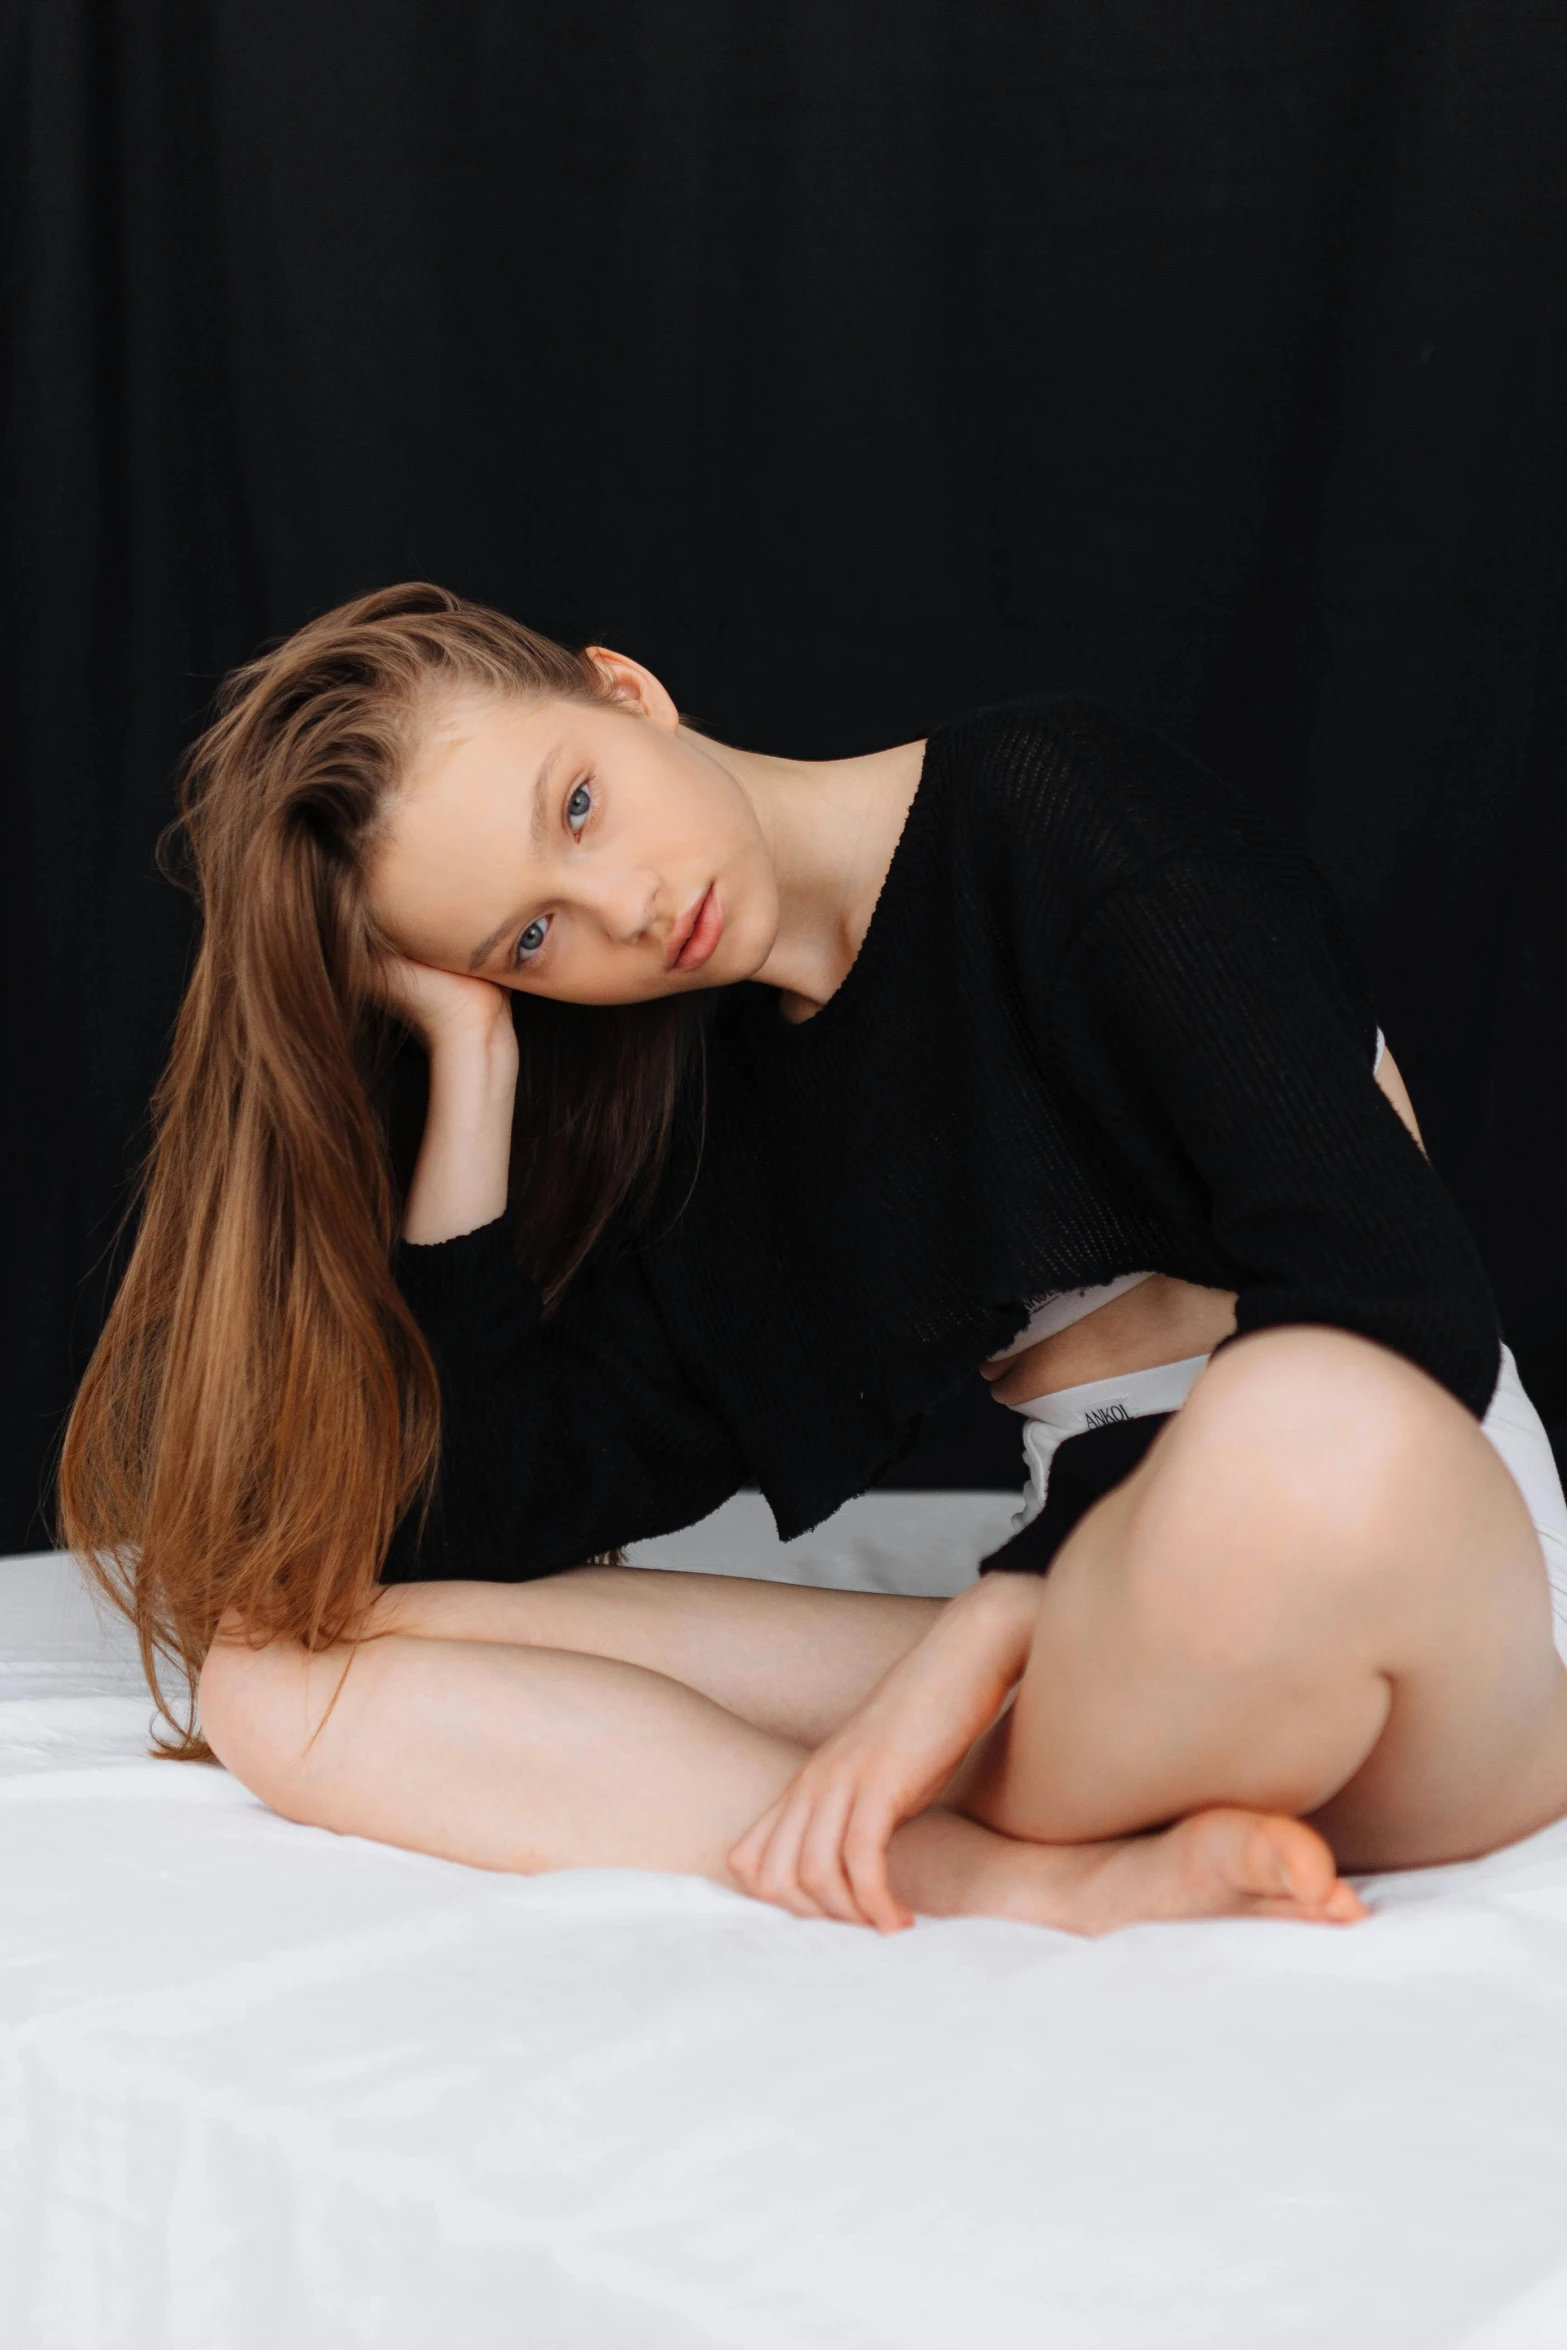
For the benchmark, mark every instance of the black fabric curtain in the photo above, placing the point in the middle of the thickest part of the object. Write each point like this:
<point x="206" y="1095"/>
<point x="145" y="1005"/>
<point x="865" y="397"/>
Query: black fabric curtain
<point x="851" y="365"/>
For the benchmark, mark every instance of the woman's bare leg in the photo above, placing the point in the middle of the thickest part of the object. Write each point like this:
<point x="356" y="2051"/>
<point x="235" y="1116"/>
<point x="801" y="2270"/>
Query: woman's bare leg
<point x="530" y="1758"/>
<point x="785" y="1657"/>
<point x="1320" y="1594"/>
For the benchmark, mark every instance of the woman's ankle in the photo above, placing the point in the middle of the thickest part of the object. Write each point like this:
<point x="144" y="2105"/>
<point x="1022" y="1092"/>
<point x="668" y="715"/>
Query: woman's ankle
<point x="943" y="1865"/>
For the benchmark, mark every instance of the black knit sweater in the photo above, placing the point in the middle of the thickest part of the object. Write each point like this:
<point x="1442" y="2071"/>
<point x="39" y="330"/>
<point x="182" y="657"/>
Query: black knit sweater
<point x="1104" y="1019"/>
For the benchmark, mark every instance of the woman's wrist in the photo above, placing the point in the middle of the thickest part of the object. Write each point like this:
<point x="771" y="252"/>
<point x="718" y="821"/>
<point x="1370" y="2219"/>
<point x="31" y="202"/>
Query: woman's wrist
<point x="460" y="1178"/>
<point x="995" y="1617"/>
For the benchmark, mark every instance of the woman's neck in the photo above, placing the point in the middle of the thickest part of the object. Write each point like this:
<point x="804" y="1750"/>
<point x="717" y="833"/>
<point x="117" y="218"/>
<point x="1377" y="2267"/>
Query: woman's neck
<point x="831" y="826"/>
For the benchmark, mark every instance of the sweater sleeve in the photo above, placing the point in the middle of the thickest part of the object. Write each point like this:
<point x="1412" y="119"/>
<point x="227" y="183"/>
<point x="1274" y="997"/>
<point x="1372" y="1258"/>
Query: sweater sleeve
<point x="1211" y="1017"/>
<point x="563" y="1438"/>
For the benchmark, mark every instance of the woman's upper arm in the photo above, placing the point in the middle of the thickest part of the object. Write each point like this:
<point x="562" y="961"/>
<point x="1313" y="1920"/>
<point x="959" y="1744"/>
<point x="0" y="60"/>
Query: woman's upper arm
<point x="1211" y="1018"/>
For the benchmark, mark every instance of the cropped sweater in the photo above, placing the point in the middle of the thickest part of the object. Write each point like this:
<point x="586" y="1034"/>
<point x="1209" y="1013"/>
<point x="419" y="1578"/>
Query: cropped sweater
<point x="1105" y="1018"/>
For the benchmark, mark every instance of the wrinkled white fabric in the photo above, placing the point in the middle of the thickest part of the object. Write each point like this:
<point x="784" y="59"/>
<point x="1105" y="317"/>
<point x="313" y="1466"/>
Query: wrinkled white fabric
<point x="264" y="2086"/>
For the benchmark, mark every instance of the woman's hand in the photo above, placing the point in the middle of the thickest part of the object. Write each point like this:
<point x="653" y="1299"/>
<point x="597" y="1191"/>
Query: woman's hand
<point x="821" y="1849"/>
<point x="441" y="1005"/>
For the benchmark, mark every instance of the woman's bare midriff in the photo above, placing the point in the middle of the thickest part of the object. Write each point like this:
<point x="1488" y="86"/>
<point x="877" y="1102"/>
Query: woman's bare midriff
<point x="1162" y="1320"/>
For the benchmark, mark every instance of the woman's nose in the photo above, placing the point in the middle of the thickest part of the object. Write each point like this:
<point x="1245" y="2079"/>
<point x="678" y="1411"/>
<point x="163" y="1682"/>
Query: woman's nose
<point x="626" y="904"/>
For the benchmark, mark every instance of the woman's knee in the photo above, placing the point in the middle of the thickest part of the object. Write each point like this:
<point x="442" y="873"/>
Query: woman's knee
<point x="1317" y="1398"/>
<point x="1292" y="1491"/>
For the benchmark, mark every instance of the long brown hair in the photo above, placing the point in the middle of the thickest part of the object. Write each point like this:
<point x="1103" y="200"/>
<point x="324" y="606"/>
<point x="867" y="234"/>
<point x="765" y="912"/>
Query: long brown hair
<point x="262" y="1408"/>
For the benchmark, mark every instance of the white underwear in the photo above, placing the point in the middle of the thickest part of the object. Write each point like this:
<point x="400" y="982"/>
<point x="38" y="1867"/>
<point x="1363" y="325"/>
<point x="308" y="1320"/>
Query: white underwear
<point x="1072" y="1411"/>
<point x="1511" y="1422"/>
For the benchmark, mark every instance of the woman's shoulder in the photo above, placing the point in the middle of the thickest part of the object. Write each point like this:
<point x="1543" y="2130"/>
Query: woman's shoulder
<point x="1065" y="814"/>
<point x="1065" y="777"/>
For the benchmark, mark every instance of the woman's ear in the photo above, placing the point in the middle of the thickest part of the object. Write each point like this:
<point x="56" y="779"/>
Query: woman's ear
<point x="635" y="686"/>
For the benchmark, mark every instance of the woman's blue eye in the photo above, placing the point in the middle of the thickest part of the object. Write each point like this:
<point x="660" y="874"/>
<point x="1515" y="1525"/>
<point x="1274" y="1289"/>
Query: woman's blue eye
<point x="579" y="807"/>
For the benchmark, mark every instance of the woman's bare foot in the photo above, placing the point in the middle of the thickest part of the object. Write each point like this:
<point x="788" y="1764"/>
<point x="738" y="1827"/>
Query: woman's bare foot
<point x="1217" y="1864"/>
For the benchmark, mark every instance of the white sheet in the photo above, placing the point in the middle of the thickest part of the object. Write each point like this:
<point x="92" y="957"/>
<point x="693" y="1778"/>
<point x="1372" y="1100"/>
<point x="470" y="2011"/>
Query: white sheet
<point x="262" y="2087"/>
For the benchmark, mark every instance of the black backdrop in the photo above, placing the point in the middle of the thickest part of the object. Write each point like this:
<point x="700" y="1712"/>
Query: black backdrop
<point x="851" y="362"/>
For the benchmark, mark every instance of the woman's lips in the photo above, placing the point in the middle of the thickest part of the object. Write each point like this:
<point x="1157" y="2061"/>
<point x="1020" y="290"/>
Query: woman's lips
<point x="706" y="930"/>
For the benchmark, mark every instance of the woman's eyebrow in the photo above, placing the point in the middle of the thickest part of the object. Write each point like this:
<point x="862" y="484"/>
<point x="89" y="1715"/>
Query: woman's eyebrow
<point x="540" y="784"/>
<point x="486" y="947"/>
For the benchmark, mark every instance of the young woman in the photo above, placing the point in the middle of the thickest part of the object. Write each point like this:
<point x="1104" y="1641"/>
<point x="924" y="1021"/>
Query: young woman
<point x="766" y="1100"/>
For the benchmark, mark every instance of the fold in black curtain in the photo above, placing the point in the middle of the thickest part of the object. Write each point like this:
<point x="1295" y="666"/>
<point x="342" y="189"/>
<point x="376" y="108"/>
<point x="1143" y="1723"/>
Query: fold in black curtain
<point x="850" y="365"/>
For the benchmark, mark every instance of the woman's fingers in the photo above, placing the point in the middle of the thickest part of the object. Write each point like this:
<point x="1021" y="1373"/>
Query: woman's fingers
<point x="745" y="1857"/>
<point x="821" y="1851"/>
<point x="865" y="1842"/>
<point x="440" y="1002"/>
<point x="821" y="1869"/>
<point x="778" y="1878"/>
<point x="793" y="1854"/>
<point x="766" y="1858"/>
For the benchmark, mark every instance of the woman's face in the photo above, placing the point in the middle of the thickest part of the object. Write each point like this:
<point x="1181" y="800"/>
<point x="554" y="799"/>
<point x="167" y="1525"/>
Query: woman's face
<point x="590" y="852"/>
